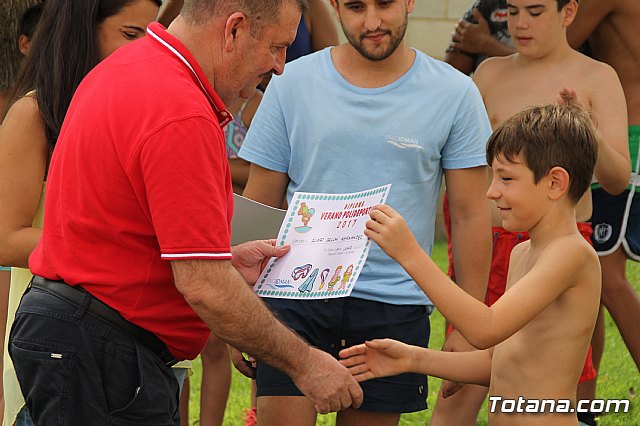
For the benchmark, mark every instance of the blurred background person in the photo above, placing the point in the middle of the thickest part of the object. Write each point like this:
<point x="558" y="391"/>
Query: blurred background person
<point x="26" y="28"/>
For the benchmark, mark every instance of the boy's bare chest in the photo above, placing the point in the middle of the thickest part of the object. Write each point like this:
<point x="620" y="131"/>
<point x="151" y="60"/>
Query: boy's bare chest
<point x="512" y="95"/>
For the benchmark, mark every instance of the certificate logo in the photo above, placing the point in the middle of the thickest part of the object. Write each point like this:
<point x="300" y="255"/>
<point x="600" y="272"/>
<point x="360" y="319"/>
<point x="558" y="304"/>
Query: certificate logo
<point x="305" y="213"/>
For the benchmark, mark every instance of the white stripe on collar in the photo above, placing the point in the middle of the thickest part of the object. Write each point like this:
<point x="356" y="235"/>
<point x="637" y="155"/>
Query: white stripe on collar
<point x="184" y="60"/>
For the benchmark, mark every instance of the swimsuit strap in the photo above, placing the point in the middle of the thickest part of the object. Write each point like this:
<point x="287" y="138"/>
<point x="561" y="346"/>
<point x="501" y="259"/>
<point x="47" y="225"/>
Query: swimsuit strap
<point x="242" y="107"/>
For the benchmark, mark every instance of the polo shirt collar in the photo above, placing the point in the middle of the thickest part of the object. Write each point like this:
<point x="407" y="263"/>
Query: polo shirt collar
<point x="160" y="35"/>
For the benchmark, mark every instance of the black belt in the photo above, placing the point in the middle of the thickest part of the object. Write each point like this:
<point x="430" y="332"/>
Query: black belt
<point x="76" y="296"/>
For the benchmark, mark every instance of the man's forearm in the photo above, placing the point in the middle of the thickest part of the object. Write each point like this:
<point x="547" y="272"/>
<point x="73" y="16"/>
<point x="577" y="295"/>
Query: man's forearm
<point x="471" y="251"/>
<point x="235" y="314"/>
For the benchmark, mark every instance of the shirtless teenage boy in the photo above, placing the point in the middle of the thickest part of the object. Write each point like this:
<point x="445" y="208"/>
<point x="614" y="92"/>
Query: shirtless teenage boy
<point x="610" y="28"/>
<point x="542" y="161"/>
<point x="543" y="66"/>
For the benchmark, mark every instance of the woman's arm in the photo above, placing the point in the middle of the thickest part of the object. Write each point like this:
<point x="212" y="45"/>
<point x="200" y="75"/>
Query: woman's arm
<point x="24" y="153"/>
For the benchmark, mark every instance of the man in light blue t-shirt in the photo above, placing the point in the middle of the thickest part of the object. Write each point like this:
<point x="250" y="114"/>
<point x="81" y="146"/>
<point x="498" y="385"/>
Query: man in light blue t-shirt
<point x="366" y="113"/>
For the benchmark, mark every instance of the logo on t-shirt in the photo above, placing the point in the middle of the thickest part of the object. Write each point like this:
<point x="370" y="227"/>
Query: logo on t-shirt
<point x="602" y="232"/>
<point x="404" y="142"/>
<point x="499" y="15"/>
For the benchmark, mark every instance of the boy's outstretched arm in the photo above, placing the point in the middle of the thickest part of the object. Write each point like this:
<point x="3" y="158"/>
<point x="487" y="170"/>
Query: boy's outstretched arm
<point x="556" y="269"/>
<point x="387" y="357"/>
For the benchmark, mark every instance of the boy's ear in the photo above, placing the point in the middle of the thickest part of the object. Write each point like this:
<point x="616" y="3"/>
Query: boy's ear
<point x="558" y="182"/>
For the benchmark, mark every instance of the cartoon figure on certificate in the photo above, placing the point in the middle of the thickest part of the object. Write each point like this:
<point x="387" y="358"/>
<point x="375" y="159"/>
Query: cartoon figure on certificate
<point x="305" y="214"/>
<point x="335" y="278"/>
<point x="345" y="277"/>
<point x="323" y="277"/>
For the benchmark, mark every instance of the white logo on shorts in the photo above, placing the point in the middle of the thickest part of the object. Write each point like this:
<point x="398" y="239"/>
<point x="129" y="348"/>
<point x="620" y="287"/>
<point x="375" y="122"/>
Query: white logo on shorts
<point x="602" y="232"/>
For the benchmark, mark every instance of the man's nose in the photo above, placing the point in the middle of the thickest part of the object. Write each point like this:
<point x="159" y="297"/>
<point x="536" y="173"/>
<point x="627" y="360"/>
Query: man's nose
<point x="281" y="58"/>
<point x="372" y="19"/>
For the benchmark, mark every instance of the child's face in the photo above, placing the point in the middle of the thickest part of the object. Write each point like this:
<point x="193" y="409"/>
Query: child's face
<point x="537" y="26"/>
<point x="519" y="200"/>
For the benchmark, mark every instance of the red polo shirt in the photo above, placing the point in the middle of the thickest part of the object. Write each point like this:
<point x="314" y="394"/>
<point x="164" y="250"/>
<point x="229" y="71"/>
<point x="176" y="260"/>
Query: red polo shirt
<point x="139" y="177"/>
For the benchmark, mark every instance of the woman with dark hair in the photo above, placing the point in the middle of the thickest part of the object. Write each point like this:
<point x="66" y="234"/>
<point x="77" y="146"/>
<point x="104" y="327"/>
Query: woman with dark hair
<point x="71" y="38"/>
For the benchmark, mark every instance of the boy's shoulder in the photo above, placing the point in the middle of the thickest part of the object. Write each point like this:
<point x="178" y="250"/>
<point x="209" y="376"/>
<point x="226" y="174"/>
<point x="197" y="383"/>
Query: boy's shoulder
<point x="492" y="68"/>
<point x="591" y="68"/>
<point x="569" y="252"/>
<point x="572" y="254"/>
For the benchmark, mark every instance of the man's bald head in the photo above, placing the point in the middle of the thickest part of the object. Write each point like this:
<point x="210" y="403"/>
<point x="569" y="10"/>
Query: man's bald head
<point x="259" y="12"/>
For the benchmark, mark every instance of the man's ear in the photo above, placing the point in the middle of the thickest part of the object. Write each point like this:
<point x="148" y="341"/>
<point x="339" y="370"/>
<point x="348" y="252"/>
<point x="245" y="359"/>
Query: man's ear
<point x="570" y="9"/>
<point x="558" y="182"/>
<point x="236" y="24"/>
<point x="336" y="11"/>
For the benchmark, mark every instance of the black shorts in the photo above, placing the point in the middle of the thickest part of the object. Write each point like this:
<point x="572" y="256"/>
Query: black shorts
<point x="616" y="221"/>
<point x="335" y="324"/>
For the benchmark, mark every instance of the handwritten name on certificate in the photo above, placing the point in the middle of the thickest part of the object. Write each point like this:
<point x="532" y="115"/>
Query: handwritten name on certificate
<point x="328" y="245"/>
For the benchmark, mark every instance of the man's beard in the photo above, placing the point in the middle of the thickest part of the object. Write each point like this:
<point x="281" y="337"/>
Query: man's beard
<point x="395" y="40"/>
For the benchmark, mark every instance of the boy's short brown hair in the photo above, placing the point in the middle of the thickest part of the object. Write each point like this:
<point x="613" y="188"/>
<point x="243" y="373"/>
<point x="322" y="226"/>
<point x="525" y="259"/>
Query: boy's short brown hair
<point x="546" y="137"/>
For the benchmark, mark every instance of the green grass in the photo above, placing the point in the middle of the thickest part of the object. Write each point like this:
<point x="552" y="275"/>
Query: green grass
<point x="618" y="377"/>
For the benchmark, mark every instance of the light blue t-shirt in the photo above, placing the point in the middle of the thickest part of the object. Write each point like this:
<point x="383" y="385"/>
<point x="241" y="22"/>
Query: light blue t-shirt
<point x="331" y="136"/>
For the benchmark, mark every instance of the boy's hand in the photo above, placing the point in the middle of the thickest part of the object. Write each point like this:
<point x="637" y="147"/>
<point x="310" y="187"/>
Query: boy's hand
<point x="246" y="366"/>
<point x="390" y="231"/>
<point x="567" y="96"/>
<point x="377" y="358"/>
<point x="450" y="388"/>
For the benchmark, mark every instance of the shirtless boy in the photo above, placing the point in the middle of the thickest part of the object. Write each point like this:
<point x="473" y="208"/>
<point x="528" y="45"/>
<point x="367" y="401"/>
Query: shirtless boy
<point x="542" y="161"/>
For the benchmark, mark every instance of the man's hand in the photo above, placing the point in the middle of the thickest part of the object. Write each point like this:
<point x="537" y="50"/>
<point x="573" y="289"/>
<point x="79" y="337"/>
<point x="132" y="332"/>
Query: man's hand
<point x="327" y="383"/>
<point x="249" y="259"/>
<point x="377" y="358"/>
<point x="470" y="37"/>
<point x="388" y="229"/>
<point x="246" y="366"/>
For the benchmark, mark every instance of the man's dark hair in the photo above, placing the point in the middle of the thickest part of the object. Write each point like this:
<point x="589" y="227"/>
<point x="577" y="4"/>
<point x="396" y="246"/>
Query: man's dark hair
<point x="259" y="12"/>
<point x="549" y="136"/>
<point x="562" y="3"/>
<point x="30" y="19"/>
<point x="63" y="50"/>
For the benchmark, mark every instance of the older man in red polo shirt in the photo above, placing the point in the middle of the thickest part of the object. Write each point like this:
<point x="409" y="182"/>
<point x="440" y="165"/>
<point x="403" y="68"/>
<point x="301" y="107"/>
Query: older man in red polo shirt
<point x="135" y="264"/>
